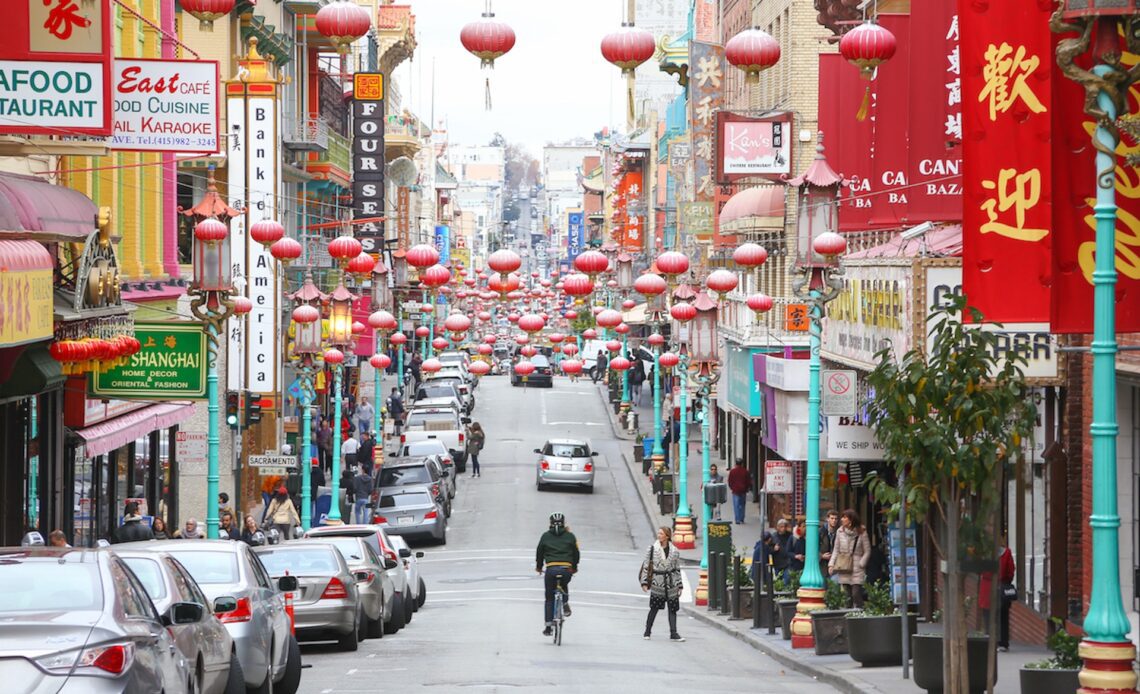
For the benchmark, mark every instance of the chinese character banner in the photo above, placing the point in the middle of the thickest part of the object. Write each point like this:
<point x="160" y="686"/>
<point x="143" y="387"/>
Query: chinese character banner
<point x="706" y="90"/>
<point x="1006" y="51"/>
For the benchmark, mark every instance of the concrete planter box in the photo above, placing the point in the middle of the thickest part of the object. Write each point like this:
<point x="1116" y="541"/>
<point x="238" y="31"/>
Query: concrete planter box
<point x="787" y="609"/>
<point x="1041" y="681"/>
<point x="877" y="641"/>
<point x="926" y="650"/>
<point x="829" y="629"/>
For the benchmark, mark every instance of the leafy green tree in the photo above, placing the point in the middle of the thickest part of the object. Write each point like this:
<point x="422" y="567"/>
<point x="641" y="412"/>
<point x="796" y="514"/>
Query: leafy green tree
<point x="951" y="422"/>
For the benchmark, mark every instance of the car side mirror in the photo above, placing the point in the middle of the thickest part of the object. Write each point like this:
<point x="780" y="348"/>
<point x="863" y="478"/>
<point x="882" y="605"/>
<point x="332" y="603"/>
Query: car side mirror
<point x="594" y="454"/>
<point x="538" y="451"/>
<point x="447" y="473"/>
<point x="362" y="576"/>
<point x="466" y="420"/>
<point x="225" y="604"/>
<point x="390" y="563"/>
<point x="184" y="613"/>
<point x="405" y="552"/>
<point x="419" y="555"/>
<point x="287" y="584"/>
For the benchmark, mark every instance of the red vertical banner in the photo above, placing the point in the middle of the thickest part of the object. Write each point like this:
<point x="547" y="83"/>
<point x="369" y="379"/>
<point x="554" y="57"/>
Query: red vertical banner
<point x="891" y="88"/>
<point x="935" y="99"/>
<point x="629" y="223"/>
<point x="1074" y="227"/>
<point x="1006" y="53"/>
<point x="706" y="97"/>
<point x="847" y="141"/>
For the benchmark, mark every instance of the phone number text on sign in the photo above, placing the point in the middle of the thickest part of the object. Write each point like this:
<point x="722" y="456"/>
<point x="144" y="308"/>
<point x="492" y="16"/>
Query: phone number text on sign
<point x="165" y="105"/>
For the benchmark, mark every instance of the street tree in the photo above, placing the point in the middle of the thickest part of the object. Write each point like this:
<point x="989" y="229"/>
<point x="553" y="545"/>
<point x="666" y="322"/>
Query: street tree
<point x="951" y="422"/>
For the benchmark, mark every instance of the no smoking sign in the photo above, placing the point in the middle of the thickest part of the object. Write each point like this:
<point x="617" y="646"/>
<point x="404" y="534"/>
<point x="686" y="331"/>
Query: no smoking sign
<point x="839" y="393"/>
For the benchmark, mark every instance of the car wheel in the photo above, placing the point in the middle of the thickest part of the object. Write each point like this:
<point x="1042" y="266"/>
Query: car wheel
<point x="443" y="537"/>
<point x="266" y="686"/>
<point x="409" y="610"/>
<point x="590" y="489"/>
<point x="235" y="680"/>
<point x="376" y="626"/>
<point x="398" y="620"/>
<point x="423" y="594"/>
<point x="350" y="641"/>
<point x="291" y="680"/>
<point x="361" y="626"/>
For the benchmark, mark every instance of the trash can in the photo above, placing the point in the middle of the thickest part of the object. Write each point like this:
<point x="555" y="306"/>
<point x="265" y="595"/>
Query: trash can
<point x="647" y="446"/>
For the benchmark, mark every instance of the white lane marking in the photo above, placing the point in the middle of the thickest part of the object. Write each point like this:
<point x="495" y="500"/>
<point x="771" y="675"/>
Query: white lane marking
<point x="686" y="589"/>
<point x="576" y="602"/>
<point x="351" y="672"/>
<point x="542" y="407"/>
<point x="536" y="590"/>
<point x="371" y="655"/>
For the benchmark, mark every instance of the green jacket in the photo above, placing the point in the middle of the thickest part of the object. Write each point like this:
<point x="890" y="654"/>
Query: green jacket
<point x="557" y="548"/>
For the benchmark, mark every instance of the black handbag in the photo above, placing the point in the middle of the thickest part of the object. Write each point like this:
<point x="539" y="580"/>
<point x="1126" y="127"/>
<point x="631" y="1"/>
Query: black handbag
<point x="1008" y="592"/>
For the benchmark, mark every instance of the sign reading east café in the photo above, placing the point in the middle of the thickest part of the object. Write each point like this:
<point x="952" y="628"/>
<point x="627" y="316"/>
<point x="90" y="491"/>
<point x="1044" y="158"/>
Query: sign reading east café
<point x="55" y="67"/>
<point x="368" y="159"/>
<point x="170" y="365"/>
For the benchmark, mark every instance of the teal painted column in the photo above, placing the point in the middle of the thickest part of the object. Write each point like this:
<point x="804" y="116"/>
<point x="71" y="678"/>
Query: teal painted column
<point x="658" y="449"/>
<point x="306" y="444"/>
<point x="1106" y="622"/>
<point x="625" y="402"/>
<point x="706" y="510"/>
<point x="378" y="406"/>
<point x="334" y="483"/>
<point x="212" y="437"/>
<point x="424" y="342"/>
<point x="811" y="576"/>
<point x="683" y="444"/>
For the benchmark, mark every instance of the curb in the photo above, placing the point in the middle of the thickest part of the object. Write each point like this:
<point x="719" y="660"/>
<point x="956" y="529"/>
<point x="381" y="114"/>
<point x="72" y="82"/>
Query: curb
<point x="833" y="679"/>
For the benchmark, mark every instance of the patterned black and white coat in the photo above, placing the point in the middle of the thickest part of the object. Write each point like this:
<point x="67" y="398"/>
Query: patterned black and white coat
<point x="666" y="581"/>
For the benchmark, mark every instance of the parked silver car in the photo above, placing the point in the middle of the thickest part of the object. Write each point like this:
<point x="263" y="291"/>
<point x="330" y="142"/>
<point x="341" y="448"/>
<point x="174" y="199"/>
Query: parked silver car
<point x="565" y="462"/>
<point x="395" y="571"/>
<point x="411" y="512"/>
<point x="78" y="620"/>
<point x="328" y="603"/>
<point x="206" y="645"/>
<point x="416" y="589"/>
<point x="247" y="601"/>
<point x="371" y="576"/>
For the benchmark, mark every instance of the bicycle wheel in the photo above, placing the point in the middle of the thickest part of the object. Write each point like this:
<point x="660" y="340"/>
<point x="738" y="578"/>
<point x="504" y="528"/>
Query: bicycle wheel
<point x="557" y="618"/>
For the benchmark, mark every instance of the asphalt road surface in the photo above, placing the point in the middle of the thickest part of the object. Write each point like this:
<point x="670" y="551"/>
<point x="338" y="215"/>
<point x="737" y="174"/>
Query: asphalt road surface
<point x="480" y="629"/>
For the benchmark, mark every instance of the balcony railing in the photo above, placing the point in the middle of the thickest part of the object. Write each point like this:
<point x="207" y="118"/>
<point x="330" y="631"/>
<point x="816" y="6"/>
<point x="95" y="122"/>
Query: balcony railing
<point x="309" y="134"/>
<point x="339" y="153"/>
<point x="741" y="325"/>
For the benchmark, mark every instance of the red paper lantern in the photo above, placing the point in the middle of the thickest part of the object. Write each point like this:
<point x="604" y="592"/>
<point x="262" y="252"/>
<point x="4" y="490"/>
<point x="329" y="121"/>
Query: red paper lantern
<point x="210" y="230"/>
<point x="621" y="329"/>
<point x="531" y="323"/>
<point x="485" y="349"/>
<point x="570" y="315"/>
<point x="398" y="339"/>
<point x="556" y="338"/>
<point x="440" y="343"/>
<point x="591" y="263"/>
<point x="483" y="316"/>
<point x="683" y="312"/>
<point x="479" y="368"/>
<point x="750" y="255"/>
<point x="242" y="305"/>
<point x="668" y="360"/>
<point x="343" y="22"/>
<point x="589" y="334"/>
<point x="753" y="51"/>
<point x="267" y="232"/>
<point x="570" y="349"/>
<point x="286" y="250"/>
<point x="362" y="264"/>
<point x="487" y="39"/>
<point x="496" y="284"/>
<point x="306" y="314"/>
<point x="613" y="346"/>
<point x="571" y="366"/>
<point x="577" y="285"/>
<point x="380" y="361"/>
<point x="722" y="281"/>
<point x="422" y="331"/>
<point x="457" y="323"/>
<point x="491" y="339"/>
<point x="760" y="303"/>
<point x="207" y="11"/>
<point x="382" y="320"/>
<point x="656" y="339"/>
<point x="528" y="351"/>
<point x="628" y="304"/>
<point x="422" y="255"/>
<point x="867" y="46"/>
<point x="672" y="263"/>
<point x="504" y="261"/>
<point x="334" y="356"/>
<point x="521" y="339"/>
<point x="431" y="366"/>
<point x="649" y="284"/>
<point x="358" y="328"/>
<point x="608" y="318"/>
<point x="513" y="317"/>
<point x="344" y="248"/>
<point x="435" y="276"/>
<point x="829" y="244"/>
<point x="628" y="47"/>
<point x="524" y="368"/>
<point x="620" y="364"/>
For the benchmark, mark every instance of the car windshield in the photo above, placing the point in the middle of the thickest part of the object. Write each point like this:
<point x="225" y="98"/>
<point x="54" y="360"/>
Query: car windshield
<point x="404" y="500"/>
<point x="299" y="561"/>
<point x="149" y="574"/>
<point x="424" y="448"/>
<point x="566" y="450"/>
<point x="52" y="586"/>
<point x="439" y="390"/>
<point x="539" y="360"/>
<point x="397" y="476"/>
<point x="349" y="547"/>
<point x="209" y="567"/>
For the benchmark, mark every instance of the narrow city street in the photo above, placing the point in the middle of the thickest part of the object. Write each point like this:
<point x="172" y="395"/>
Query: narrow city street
<point x="481" y="626"/>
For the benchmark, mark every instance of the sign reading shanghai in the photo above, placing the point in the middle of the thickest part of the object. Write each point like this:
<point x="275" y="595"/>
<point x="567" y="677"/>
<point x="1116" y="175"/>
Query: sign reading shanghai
<point x="753" y="147"/>
<point x="165" y="106"/>
<point x="170" y="365"/>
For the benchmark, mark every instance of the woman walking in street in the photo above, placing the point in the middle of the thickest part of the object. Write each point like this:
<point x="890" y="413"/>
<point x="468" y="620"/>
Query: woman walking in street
<point x="283" y="514"/>
<point x="661" y="577"/>
<point x="849" y="557"/>
<point x="475" y="440"/>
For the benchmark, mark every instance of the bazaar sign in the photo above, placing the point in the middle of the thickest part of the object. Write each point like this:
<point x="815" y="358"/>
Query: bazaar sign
<point x="166" y="106"/>
<point x="872" y="312"/>
<point x="55" y="67"/>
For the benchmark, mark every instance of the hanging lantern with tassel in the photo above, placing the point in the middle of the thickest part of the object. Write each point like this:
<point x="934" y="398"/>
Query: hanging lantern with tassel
<point x="866" y="47"/>
<point x="628" y="48"/>
<point x="487" y="40"/>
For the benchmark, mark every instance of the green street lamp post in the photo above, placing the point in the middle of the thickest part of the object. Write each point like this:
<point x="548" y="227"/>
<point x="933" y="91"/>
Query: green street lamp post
<point x="307" y="338"/>
<point x="340" y="339"/>
<point x="704" y="359"/>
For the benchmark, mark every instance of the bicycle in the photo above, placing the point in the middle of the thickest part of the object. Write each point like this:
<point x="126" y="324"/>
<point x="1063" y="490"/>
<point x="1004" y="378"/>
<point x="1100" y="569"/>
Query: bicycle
<point x="557" y="615"/>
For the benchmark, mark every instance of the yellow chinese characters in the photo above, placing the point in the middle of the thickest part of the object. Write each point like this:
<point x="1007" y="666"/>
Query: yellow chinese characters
<point x="1016" y="191"/>
<point x="1005" y="73"/>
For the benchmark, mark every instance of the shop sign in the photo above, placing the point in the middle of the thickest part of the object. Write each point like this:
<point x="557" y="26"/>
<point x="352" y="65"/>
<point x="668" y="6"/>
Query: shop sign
<point x="443" y="243"/>
<point x="166" y="106"/>
<point x="897" y="549"/>
<point x="753" y="146"/>
<point x="785" y="374"/>
<point x="404" y="216"/>
<point x="848" y="439"/>
<point x="170" y="366"/>
<point x="779" y="477"/>
<point x="872" y="312"/>
<point x="55" y="67"/>
<point x="25" y="306"/>
<point x="368" y="159"/>
<point x="575" y="234"/>
<point x="190" y="450"/>
<point x="838" y="392"/>
<point x="706" y="98"/>
<point x="697" y="217"/>
<point x="742" y="389"/>
<point x="1031" y="340"/>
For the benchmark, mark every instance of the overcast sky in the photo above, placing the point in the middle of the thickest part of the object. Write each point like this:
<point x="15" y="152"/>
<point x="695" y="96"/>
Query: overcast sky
<point x="552" y="86"/>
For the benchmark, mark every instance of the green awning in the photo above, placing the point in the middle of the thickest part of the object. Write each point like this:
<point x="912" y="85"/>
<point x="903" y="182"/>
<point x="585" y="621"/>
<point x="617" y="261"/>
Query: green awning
<point x="35" y="372"/>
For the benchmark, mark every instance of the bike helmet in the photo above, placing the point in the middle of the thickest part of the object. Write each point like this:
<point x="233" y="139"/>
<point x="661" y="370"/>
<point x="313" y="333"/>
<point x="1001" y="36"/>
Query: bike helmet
<point x="557" y="519"/>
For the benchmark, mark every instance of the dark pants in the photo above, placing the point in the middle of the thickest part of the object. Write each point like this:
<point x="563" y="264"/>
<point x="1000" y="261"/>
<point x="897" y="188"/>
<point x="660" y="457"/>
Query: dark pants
<point x="854" y="593"/>
<point x="655" y="607"/>
<point x="1003" y="622"/>
<point x="474" y="463"/>
<point x="326" y="459"/>
<point x="552" y="577"/>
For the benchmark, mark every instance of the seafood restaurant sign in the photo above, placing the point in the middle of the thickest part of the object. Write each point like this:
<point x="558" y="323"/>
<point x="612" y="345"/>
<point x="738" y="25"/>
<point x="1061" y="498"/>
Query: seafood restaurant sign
<point x="165" y="105"/>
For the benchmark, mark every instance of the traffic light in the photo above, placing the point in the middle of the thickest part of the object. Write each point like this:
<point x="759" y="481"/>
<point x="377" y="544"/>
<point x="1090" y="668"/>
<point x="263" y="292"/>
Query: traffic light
<point x="252" y="409"/>
<point x="233" y="406"/>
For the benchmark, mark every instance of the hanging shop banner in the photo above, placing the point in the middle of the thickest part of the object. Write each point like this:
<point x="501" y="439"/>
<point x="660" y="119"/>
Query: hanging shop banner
<point x="442" y="240"/>
<point x="404" y="216"/>
<point x="1006" y="51"/>
<point x="1074" y="227"/>
<point x="847" y="141"/>
<point x="170" y="366"/>
<point x="891" y="88"/>
<point x="629" y="197"/>
<point x="872" y="312"/>
<point x="706" y="98"/>
<point x="368" y="159"/>
<point x="942" y="278"/>
<point x="697" y="217"/>
<point x="753" y="146"/>
<point x="55" y="67"/>
<point x="935" y="151"/>
<point x="575" y="234"/>
<point x="743" y="390"/>
<point x="26" y="294"/>
<point x="166" y="106"/>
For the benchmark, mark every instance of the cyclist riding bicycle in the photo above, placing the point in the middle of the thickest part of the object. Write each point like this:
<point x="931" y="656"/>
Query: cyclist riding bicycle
<point x="558" y="550"/>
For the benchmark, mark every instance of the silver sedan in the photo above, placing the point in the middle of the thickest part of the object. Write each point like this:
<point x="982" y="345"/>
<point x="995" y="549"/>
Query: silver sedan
<point x="411" y="512"/>
<point x="567" y="462"/>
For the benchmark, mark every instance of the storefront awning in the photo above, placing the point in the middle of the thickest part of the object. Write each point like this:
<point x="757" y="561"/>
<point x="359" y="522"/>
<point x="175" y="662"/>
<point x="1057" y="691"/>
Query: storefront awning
<point x="755" y="208"/>
<point x="113" y="433"/>
<point x="31" y="208"/>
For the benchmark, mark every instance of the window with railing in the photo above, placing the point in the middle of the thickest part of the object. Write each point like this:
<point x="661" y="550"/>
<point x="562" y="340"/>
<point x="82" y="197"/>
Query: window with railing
<point x="332" y="104"/>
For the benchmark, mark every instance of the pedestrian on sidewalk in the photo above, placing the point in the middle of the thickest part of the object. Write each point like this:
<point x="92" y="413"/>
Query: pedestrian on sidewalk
<point x="349" y="449"/>
<point x="414" y="370"/>
<point x="601" y="363"/>
<point x="282" y="514"/>
<point x="396" y="410"/>
<point x="1007" y="594"/>
<point x="636" y="380"/>
<point x="827" y="541"/>
<point x="849" y="557"/>
<point x="367" y="452"/>
<point x="365" y="413"/>
<point x="132" y="529"/>
<point x="715" y="478"/>
<point x="797" y="546"/>
<point x="475" y="440"/>
<point x="739" y="482"/>
<point x="361" y="495"/>
<point x="324" y="443"/>
<point x="661" y="578"/>
<point x="781" y="550"/>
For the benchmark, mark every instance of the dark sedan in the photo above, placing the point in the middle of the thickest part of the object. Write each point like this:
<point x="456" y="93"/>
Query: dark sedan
<point x="543" y="375"/>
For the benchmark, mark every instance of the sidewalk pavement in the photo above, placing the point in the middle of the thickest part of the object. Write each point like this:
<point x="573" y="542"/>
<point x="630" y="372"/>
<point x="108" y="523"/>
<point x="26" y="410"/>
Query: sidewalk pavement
<point x="839" y="671"/>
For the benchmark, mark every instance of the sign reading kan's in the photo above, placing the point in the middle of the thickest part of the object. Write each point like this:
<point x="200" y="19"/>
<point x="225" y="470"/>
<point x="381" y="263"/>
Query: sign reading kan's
<point x="368" y="159"/>
<point x="170" y="366"/>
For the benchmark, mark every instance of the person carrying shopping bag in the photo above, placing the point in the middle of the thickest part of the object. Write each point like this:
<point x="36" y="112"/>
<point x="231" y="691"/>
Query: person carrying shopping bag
<point x="849" y="557"/>
<point x="475" y="440"/>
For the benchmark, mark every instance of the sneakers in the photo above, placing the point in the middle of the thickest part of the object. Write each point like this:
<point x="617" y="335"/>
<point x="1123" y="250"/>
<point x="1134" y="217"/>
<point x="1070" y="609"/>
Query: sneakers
<point x="566" y="610"/>
<point x="645" y="636"/>
<point x="676" y="637"/>
<point x="547" y="631"/>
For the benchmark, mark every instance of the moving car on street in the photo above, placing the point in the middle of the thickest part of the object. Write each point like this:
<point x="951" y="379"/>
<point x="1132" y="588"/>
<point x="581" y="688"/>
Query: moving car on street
<point x="543" y="375"/>
<point x="568" y="462"/>
<point x="430" y="447"/>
